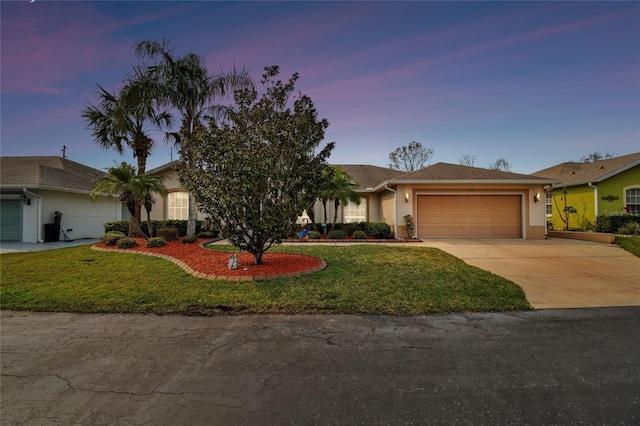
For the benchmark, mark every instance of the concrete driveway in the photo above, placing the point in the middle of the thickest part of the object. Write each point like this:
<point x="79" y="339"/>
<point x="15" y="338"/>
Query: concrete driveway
<point x="556" y="273"/>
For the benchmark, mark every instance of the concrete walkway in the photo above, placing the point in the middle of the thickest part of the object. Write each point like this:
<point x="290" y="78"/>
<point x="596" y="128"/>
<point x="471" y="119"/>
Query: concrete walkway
<point x="14" y="247"/>
<point x="556" y="273"/>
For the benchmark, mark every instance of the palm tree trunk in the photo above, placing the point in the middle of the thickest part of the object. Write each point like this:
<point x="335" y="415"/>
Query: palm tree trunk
<point x="191" y="220"/>
<point x="335" y="213"/>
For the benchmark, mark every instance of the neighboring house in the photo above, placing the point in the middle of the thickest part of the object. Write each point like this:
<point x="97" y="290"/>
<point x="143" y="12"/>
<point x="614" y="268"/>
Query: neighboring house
<point x="447" y="201"/>
<point x="607" y="187"/>
<point x="32" y="189"/>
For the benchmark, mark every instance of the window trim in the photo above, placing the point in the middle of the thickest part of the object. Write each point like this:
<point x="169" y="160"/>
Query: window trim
<point x="625" y="202"/>
<point x="168" y="206"/>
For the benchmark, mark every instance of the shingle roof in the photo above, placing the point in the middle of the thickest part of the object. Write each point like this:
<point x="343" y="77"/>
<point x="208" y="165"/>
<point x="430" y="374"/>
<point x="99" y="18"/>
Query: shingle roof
<point x="369" y="176"/>
<point x="47" y="172"/>
<point x="571" y="173"/>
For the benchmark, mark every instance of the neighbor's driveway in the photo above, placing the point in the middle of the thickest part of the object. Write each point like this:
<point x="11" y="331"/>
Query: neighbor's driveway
<point x="556" y="273"/>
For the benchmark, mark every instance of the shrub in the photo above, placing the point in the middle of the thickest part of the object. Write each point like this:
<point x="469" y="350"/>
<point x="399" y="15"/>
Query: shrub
<point x="126" y="242"/>
<point x="359" y="235"/>
<point x="169" y="234"/>
<point x="314" y="235"/>
<point x="378" y="230"/>
<point x="207" y="234"/>
<point x="155" y="242"/>
<point x="189" y="240"/>
<point x="111" y="238"/>
<point x="631" y="228"/>
<point x="337" y="234"/>
<point x="180" y="225"/>
<point x="613" y="223"/>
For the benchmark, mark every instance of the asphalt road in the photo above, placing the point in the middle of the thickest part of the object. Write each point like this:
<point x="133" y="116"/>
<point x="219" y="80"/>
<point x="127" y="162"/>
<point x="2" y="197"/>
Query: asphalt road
<point x="545" y="367"/>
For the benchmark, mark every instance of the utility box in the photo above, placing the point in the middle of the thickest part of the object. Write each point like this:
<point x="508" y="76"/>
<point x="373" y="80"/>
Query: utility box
<point x="51" y="233"/>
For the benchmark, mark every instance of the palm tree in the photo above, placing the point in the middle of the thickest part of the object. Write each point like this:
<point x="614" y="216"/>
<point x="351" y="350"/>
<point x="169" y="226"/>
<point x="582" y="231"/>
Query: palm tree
<point x="186" y="85"/>
<point x="120" y="181"/>
<point x="132" y="189"/>
<point x="125" y="119"/>
<point x="145" y="187"/>
<point x="342" y="192"/>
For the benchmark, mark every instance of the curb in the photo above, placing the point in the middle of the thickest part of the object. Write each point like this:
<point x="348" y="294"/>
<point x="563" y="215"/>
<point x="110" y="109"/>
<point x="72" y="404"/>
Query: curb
<point x="202" y="275"/>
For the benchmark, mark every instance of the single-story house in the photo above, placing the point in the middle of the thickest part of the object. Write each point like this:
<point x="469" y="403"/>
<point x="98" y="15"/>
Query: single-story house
<point x="33" y="189"/>
<point x="606" y="187"/>
<point x="447" y="201"/>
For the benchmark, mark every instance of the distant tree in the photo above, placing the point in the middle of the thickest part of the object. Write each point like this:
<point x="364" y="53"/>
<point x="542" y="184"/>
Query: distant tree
<point x="410" y="157"/>
<point x="467" y="160"/>
<point x="185" y="84"/>
<point x="500" y="165"/>
<point x="133" y="190"/>
<point x="255" y="171"/>
<point x="596" y="156"/>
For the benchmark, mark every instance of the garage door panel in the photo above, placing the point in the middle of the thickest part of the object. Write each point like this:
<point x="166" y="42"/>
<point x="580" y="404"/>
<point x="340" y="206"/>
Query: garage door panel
<point x="469" y="216"/>
<point x="10" y="219"/>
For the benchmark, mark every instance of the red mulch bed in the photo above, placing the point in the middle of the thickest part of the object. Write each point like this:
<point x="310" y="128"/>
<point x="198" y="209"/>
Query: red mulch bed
<point x="214" y="262"/>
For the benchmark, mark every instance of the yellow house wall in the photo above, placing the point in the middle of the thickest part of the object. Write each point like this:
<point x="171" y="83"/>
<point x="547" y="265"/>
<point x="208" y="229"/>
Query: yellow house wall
<point x="579" y="197"/>
<point x="616" y="186"/>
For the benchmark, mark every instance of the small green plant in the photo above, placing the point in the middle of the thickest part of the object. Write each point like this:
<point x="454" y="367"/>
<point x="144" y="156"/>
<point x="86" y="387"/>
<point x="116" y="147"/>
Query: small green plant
<point x="378" y="230"/>
<point x="189" y="240"/>
<point x="314" y="235"/>
<point x="408" y="222"/>
<point x="337" y="234"/>
<point x="206" y="234"/>
<point x="111" y="238"/>
<point x="126" y="242"/>
<point x="155" y="242"/>
<point x="359" y="235"/>
<point x="630" y="228"/>
<point x="169" y="234"/>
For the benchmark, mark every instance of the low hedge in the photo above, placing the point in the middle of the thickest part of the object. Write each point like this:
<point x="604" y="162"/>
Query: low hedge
<point x="180" y="225"/>
<point x="378" y="230"/>
<point x="613" y="224"/>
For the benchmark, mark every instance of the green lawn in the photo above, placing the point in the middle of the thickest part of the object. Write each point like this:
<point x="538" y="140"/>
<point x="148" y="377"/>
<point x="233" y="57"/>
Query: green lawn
<point x="359" y="279"/>
<point x="630" y="244"/>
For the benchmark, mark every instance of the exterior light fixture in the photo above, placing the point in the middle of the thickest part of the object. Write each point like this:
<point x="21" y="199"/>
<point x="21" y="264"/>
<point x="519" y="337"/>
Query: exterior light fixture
<point x="407" y="197"/>
<point x="26" y="200"/>
<point x="536" y="197"/>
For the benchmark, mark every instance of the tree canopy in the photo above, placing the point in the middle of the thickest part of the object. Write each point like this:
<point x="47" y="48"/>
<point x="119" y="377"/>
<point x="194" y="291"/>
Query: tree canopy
<point x="501" y="164"/>
<point x="257" y="169"/>
<point x="410" y="157"/>
<point x="596" y="156"/>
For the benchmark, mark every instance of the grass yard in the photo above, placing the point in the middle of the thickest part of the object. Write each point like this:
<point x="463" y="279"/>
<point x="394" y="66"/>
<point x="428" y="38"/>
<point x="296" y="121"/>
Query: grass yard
<point x="630" y="244"/>
<point x="359" y="279"/>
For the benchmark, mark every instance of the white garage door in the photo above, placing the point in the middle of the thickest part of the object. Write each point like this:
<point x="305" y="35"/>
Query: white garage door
<point x="469" y="216"/>
<point x="10" y="218"/>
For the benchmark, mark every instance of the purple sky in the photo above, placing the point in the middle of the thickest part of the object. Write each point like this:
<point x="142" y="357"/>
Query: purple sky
<point x="537" y="83"/>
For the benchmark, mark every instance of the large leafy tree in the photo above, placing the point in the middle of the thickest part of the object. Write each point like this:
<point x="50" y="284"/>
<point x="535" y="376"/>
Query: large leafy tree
<point x="126" y="118"/>
<point x="184" y="83"/>
<point x="134" y="190"/>
<point x="410" y="157"/>
<point x="255" y="171"/>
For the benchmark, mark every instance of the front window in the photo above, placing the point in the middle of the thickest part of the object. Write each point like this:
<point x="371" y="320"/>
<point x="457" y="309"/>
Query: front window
<point x="632" y="200"/>
<point x="548" y="205"/>
<point x="178" y="205"/>
<point x="354" y="212"/>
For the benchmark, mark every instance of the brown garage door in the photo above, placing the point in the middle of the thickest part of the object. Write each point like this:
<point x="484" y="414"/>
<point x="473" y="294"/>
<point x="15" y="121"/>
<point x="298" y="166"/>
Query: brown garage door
<point x="469" y="216"/>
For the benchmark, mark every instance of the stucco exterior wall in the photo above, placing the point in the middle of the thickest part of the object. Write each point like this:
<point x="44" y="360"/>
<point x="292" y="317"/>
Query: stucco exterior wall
<point x="615" y="187"/>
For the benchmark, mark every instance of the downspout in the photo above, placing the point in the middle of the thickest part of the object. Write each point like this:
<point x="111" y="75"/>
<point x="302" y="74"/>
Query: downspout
<point x="595" y="199"/>
<point x="395" y="209"/>
<point x="31" y="194"/>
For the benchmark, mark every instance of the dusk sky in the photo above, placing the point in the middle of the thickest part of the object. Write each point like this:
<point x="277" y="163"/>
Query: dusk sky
<point x="537" y="83"/>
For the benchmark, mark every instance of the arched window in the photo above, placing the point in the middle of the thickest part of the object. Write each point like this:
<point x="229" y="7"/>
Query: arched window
<point x="354" y="212"/>
<point x="178" y="205"/>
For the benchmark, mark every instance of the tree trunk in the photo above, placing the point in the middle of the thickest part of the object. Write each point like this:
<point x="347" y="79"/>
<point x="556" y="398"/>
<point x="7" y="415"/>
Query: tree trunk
<point x="137" y="229"/>
<point x="191" y="221"/>
<point x="336" y="204"/>
<point x="149" y="224"/>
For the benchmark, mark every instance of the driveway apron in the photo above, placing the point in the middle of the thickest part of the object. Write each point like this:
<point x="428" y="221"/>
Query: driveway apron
<point x="556" y="273"/>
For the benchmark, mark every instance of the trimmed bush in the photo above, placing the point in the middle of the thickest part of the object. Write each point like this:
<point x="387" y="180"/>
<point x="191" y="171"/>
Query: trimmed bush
<point x="314" y="235"/>
<point x="189" y="240"/>
<point x="208" y="234"/>
<point x="180" y="225"/>
<point x="111" y="238"/>
<point x="155" y="242"/>
<point x="631" y="228"/>
<point x="126" y="242"/>
<point x="336" y="234"/>
<point x="359" y="235"/>
<point x="169" y="234"/>
<point x="379" y="230"/>
<point x="613" y="223"/>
